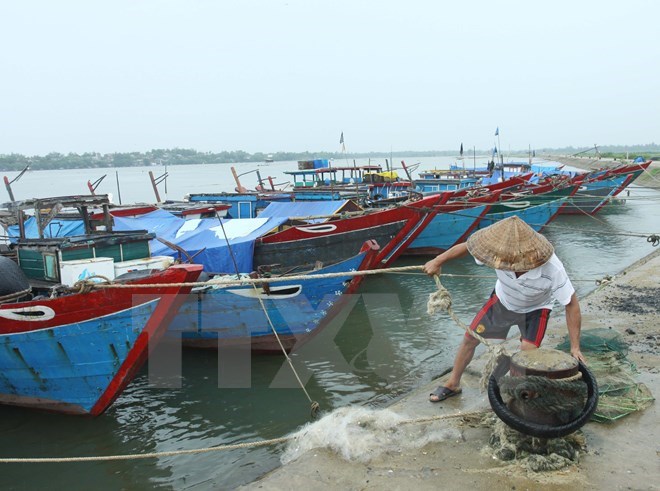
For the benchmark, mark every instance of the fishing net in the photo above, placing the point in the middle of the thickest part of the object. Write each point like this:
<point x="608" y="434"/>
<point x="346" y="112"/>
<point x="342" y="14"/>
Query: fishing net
<point x="619" y="393"/>
<point x="534" y="454"/>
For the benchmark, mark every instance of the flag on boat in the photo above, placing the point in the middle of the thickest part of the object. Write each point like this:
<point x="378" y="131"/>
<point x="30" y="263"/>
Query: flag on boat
<point x="494" y="151"/>
<point x="497" y="131"/>
<point x="461" y="149"/>
<point x="341" y="142"/>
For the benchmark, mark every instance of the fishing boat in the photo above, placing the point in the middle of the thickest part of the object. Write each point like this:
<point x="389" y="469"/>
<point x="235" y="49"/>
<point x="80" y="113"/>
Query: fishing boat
<point x="600" y="187"/>
<point x="452" y="224"/>
<point x="439" y="180"/>
<point x="69" y="349"/>
<point x="185" y="210"/>
<point x="299" y="243"/>
<point x="222" y="313"/>
<point x="536" y="216"/>
<point x="268" y="317"/>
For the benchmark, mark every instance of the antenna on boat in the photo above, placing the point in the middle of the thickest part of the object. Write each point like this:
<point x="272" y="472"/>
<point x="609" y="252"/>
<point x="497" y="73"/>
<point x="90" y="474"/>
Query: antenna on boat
<point x="405" y="169"/>
<point x="155" y="181"/>
<point x="259" y="180"/>
<point x="93" y="185"/>
<point x="118" y="190"/>
<point x="8" y="183"/>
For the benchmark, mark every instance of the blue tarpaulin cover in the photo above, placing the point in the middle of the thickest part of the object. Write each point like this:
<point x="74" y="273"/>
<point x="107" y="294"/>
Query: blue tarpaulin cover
<point x="300" y="209"/>
<point x="56" y="228"/>
<point x="204" y="235"/>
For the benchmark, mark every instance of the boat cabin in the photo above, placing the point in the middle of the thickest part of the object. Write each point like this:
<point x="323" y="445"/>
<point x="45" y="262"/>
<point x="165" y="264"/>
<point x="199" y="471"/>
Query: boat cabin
<point x="331" y="176"/>
<point x="96" y="250"/>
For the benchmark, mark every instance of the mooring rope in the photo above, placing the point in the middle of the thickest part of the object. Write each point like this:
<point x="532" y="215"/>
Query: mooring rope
<point x="441" y="300"/>
<point x="651" y="175"/>
<point x="15" y="295"/>
<point x="551" y="393"/>
<point x="276" y="279"/>
<point x="219" y="448"/>
<point x="314" y="405"/>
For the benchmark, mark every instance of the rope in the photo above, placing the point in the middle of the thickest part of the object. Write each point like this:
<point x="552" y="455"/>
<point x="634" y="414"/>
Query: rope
<point x="314" y="405"/>
<point x="441" y="300"/>
<point x="651" y="175"/>
<point x="276" y="279"/>
<point x="648" y="236"/>
<point x="219" y="448"/>
<point x="15" y="295"/>
<point x="550" y="393"/>
<point x="87" y="285"/>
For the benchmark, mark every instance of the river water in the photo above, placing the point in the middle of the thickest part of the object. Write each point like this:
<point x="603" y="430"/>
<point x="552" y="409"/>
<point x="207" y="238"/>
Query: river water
<point x="378" y="350"/>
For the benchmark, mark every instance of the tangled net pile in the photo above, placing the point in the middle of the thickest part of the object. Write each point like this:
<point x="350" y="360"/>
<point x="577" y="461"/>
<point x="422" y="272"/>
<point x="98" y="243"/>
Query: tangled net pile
<point x="360" y="435"/>
<point x="619" y="393"/>
<point x="534" y="454"/>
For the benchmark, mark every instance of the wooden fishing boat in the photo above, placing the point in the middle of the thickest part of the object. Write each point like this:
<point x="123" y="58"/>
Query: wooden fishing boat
<point x="600" y="187"/>
<point x="452" y="224"/>
<point x="217" y="316"/>
<point x="299" y="244"/>
<point x="536" y="216"/>
<point x="73" y="351"/>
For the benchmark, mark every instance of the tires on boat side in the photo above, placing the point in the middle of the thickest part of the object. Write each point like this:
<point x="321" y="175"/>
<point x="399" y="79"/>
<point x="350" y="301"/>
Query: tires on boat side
<point x="12" y="279"/>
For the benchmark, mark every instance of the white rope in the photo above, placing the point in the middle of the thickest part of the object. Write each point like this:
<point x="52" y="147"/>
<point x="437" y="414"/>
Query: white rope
<point x="219" y="448"/>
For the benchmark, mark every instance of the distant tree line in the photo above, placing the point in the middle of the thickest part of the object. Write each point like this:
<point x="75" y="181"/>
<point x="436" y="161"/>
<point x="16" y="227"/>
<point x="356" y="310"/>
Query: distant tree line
<point x="184" y="156"/>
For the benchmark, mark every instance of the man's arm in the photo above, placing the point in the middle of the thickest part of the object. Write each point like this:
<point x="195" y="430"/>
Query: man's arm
<point x="433" y="266"/>
<point x="574" y="325"/>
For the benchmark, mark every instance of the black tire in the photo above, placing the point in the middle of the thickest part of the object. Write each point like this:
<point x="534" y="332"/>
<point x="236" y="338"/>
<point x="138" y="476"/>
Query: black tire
<point x="540" y="430"/>
<point x="12" y="278"/>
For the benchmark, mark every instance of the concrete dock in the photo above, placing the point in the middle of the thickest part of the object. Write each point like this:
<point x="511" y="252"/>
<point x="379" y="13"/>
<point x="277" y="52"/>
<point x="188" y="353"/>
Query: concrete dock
<point x="621" y="455"/>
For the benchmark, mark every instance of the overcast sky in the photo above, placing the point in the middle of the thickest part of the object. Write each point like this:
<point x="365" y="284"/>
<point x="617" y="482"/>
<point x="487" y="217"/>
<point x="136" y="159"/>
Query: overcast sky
<point x="213" y="75"/>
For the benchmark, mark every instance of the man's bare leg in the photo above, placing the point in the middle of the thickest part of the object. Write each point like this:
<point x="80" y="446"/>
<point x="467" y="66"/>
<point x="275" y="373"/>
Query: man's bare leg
<point x="463" y="358"/>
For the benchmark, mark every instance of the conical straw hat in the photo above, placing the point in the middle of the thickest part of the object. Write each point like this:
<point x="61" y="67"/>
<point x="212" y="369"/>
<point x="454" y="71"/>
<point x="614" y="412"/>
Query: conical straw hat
<point x="510" y="245"/>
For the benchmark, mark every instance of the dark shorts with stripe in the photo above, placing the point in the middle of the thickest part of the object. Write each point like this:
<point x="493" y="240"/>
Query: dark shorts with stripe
<point x="494" y="321"/>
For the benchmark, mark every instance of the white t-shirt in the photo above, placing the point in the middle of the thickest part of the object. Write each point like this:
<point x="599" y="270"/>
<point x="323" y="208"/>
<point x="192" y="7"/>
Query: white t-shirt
<point x="537" y="289"/>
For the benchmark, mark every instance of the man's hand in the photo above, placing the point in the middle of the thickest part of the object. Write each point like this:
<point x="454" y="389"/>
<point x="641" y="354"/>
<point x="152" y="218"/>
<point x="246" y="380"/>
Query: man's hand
<point x="433" y="267"/>
<point x="577" y="354"/>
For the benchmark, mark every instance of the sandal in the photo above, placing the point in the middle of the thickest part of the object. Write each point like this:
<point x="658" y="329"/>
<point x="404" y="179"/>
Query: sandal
<point x="443" y="393"/>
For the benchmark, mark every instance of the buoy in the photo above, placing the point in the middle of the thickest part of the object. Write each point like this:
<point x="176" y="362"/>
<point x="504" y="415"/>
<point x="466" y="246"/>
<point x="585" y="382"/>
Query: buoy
<point x="543" y="395"/>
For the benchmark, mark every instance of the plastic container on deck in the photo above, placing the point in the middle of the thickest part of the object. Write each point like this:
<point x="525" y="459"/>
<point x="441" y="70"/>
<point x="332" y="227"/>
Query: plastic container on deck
<point x="83" y="269"/>
<point x="155" y="262"/>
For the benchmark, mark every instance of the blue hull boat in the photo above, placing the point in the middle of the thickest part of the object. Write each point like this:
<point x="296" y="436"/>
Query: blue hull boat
<point x="537" y="216"/>
<point x="217" y="315"/>
<point x="75" y="353"/>
<point x="447" y="229"/>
